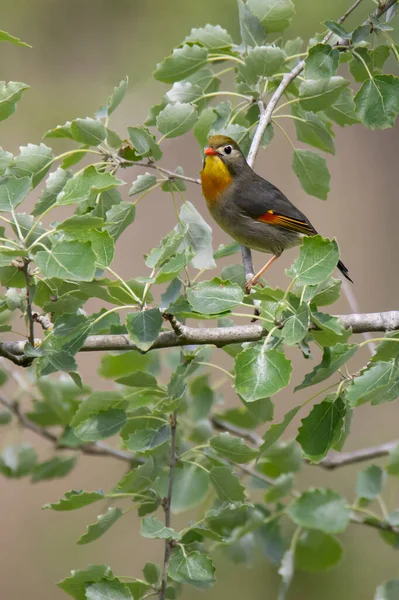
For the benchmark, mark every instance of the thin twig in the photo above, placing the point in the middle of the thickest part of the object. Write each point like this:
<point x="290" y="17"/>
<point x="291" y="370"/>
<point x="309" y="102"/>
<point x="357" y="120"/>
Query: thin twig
<point x="25" y="270"/>
<point x="95" y="449"/>
<point x="150" y="165"/>
<point x="335" y="460"/>
<point x="167" y="502"/>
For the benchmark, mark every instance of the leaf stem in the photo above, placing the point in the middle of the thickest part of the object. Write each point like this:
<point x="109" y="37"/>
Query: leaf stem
<point x="218" y="57"/>
<point x="287" y="137"/>
<point x="206" y="364"/>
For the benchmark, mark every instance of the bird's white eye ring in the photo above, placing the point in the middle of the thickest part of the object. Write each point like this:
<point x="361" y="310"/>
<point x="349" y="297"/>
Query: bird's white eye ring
<point x="227" y="149"/>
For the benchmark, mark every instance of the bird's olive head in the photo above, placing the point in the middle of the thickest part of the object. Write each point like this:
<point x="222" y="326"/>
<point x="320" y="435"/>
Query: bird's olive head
<point x="227" y="150"/>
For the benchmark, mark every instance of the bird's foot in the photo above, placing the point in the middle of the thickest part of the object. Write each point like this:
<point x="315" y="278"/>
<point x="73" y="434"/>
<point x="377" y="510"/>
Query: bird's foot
<point x="251" y="283"/>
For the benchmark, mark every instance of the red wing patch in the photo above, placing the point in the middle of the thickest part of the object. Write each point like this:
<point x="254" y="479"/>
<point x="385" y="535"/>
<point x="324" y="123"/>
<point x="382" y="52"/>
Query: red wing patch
<point x="286" y="222"/>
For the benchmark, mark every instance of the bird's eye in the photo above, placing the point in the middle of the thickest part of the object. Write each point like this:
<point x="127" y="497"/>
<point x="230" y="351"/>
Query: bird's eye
<point x="228" y="149"/>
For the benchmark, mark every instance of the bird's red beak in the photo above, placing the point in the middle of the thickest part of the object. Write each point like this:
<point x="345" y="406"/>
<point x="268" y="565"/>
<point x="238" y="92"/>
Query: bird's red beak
<point x="210" y="152"/>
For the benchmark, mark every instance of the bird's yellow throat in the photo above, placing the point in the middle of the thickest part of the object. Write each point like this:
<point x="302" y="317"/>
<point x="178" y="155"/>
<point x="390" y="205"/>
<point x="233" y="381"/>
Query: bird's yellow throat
<point x="215" y="178"/>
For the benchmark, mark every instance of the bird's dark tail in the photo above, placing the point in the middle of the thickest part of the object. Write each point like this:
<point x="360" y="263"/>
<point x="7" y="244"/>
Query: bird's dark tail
<point x="344" y="270"/>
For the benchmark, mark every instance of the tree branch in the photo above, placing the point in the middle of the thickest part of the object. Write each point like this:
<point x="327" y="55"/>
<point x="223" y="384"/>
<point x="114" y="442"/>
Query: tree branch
<point x="151" y="165"/>
<point x="95" y="449"/>
<point x="335" y="460"/>
<point x="167" y="502"/>
<point x="215" y="336"/>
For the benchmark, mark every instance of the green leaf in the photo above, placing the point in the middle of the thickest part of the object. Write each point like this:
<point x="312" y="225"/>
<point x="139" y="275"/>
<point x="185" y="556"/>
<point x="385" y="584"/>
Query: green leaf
<point x="198" y="236"/>
<point x="212" y="37"/>
<point x="324" y="510"/>
<point x="374" y="60"/>
<point x="277" y="429"/>
<point x="317" y="259"/>
<point x="317" y="551"/>
<point x="108" y="590"/>
<point x="152" y="573"/>
<point x="10" y="93"/>
<point x="95" y="403"/>
<point x="377" y="102"/>
<point x="53" y="468"/>
<point x="387" y="350"/>
<point x="333" y="359"/>
<point x="343" y="111"/>
<point x="7" y="37"/>
<point x="13" y="191"/>
<point x="275" y="15"/>
<point x="144" y="327"/>
<point x="190" y="487"/>
<point x="86" y="185"/>
<point x="251" y="29"/>
<point x="142" y="184"/>
<point x="226" y="484"/>
<point x="74" y="261"/>
<point x="193" y="568"/>
<point x="260" y="372"/>
<point x="322" y="428"/>
<point x="183" y="62"/>
<point x="61" y="131"/>
<point x="76" y="223"/>
<point x="388" y="590"/>
<point x="6" y="159"/>
<point x="104" y="522"/>
<point x="312" y="172"/>
<point x="176" y="119"/>
<point x="282" y="487"/>
<point x="262" y="61"/>
<point x="33" y="161"/>
<point x="18" y="460"/>
<point x="153" y="528"/>
<point x="117" y="95"/>
<point x="146" y="440"/>
<point x="173" y="267"/>
<point x="90" y="132"/>
<point x="55" y="183"/>
<point x="75" y="499"/>
<point x="318" y="94"/>
<point x="296" y="326"/>
<point x="338" y="29"/>
<point x="322" y="61"/>
<point x="226" y="250"/>
<point x="282" y="457"/>
<point x="5" y="417"/>
<point x="370" y="482"/>
<point x="120" y="216"/>
<point x="101" y="426"/>
<point x="377" y="383"/>
<point x="144" y="142"/>
<point x="75" y="585"/>
<point x="331" y="330"/>
<point x="215" y="296"/>
<point x="233" y="448"/>
<point x="203" y="126"/>
<point x="314" y="131"/>
<point x="125" y="363"/>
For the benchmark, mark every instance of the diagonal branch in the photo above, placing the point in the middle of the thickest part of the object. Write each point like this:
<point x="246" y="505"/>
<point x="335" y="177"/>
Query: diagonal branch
<point x="95" y="449"/>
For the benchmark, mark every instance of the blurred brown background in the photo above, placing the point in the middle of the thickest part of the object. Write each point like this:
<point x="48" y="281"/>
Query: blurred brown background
<point x="81" y="49"/>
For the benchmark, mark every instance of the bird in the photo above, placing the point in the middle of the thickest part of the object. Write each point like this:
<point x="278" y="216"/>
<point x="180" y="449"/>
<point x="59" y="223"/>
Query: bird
<point x="253" y="211"/>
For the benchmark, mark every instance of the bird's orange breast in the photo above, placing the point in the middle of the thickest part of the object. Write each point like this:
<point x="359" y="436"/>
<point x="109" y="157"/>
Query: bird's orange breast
<point x="215" y="178"/>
